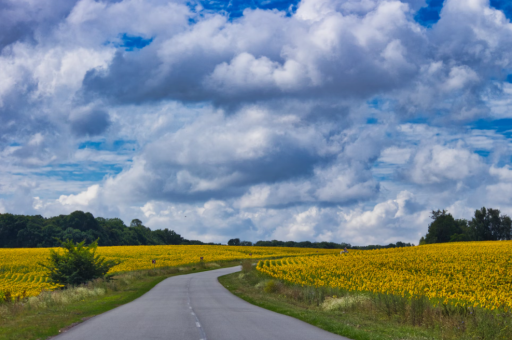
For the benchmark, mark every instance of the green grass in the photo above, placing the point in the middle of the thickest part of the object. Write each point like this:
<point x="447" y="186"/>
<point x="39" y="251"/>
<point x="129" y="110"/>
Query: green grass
<point x="18" y="321"/>
<point x="364" y="320"/>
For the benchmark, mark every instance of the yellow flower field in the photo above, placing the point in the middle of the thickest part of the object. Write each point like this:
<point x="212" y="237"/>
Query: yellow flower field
<point x="466" y="273"/>
<point x="20" y="272"/>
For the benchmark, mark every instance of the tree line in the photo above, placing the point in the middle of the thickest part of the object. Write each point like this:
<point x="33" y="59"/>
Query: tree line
<point x="308" y="244"/>
<point x="36" y="231"/>
<point x="486" y="225"/>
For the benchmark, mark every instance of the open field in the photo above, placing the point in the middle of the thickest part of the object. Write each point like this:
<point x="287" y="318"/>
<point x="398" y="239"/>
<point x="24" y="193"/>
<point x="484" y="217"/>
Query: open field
<point x="20" y="273"/>
<point x="466" y="274"/>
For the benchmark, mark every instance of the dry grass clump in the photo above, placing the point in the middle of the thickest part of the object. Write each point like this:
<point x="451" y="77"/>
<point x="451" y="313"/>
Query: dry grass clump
<point x="212" y="265"/>
<point x="52" y="299"/>
<point x="63" y="297"/>
<point x="344" y="302"/>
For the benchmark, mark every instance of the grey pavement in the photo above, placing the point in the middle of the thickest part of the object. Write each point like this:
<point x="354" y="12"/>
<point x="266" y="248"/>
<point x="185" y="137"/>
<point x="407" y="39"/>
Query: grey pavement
<point x="193" y="307"/>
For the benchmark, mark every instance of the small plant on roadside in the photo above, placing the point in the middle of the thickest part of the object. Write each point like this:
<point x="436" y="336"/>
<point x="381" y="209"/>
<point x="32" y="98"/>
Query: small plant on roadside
<point x="78" y="264"/>
<point x="247" y="266"/>
<point x="6" y="296"/>
<point x="271" y="286"/>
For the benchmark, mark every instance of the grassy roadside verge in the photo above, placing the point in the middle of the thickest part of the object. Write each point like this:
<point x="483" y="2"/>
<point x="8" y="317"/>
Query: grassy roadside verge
<point x="47" y="315"/>
<point x="350" y="325"/>
<point x="358" y="318"/>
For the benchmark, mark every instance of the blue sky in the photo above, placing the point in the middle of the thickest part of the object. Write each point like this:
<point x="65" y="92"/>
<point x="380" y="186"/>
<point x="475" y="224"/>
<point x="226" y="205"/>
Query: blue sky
<point x="339" y="120"/>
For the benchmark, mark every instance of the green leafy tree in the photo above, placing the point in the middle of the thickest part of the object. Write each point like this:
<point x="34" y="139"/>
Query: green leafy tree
<point x="489" y="225"/>
<point x="167" y="236"/>
<point x="442" y="228"/>
<point x="77" y="264"/>
<point x="234" y="242"/>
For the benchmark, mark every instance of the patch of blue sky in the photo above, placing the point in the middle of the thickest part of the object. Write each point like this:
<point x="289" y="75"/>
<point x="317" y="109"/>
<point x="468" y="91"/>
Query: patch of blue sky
<point x="509" y="78"/>
<point x="418" y="120"/>
<point x="430" y="14"/>
<point x="503" y="5"/>
<point x="80" y="173"/>
<point x="501" y="126"/>
<point x="376" y="103"/>
<point x="130" y="42"/>
<point x="115" y="146"/>
<point x="235" y="8"/>
<point x="483" y="153"/>
<point x="382" y="171"/>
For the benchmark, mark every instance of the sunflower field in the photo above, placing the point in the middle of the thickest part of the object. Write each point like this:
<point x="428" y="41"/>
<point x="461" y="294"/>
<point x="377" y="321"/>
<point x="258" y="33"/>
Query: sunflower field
<point x="21" y="274"/>
<point x="477" y="274"/>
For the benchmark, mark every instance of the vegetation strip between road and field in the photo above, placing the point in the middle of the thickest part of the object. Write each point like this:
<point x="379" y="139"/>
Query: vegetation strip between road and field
<point x="363" y="316"/>
<point x="25" y="324"/>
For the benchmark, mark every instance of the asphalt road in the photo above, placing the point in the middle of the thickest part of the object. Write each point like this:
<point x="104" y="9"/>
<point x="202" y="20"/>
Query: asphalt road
<point x="193" y="307"/>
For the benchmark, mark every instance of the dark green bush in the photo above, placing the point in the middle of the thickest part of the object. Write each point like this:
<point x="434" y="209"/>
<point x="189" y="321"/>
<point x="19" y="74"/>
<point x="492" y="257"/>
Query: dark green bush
<point x="77" y="264"/>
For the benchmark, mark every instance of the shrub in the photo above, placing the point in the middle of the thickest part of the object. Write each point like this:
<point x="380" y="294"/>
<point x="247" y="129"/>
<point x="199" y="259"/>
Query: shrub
<point x="6" y="296"/>
<point x="78" y="264"/>
<point x="270" y="286"/>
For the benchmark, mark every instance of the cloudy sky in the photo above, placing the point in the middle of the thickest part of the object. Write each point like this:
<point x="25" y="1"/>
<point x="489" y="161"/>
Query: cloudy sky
<point x="338" y="120"/>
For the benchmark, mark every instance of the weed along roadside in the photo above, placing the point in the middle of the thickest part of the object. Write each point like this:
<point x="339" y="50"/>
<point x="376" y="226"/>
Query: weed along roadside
<point x="367" y="316"/>
<point x="45" y="315"/>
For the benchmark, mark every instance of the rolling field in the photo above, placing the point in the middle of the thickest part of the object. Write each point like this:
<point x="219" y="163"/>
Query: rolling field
<point x="477" y="274"/>
<point x="20" y="272"/>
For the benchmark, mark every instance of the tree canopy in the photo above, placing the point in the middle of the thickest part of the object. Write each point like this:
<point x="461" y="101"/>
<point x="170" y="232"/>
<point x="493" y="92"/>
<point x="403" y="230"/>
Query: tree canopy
<point x="309" y="244"/>
<point x="37" y="231"/>
<point x="486" y="225"/>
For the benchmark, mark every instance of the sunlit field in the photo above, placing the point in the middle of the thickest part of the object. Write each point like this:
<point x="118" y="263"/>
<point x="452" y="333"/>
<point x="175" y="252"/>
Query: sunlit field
<point x="474" y="274"/>
<point x="20" y="273"/>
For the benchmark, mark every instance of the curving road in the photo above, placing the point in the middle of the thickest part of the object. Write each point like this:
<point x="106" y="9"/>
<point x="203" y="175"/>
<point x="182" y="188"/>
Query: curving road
<point x="193" y="307"/>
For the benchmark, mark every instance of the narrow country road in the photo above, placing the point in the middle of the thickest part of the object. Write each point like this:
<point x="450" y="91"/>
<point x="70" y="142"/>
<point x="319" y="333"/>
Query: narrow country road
<point x="193" y="307"/>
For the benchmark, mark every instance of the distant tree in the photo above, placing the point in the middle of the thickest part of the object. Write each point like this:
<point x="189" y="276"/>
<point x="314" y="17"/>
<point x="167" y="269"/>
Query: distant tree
<point x="75" y="235"/>
<point x="464" y="234"/>
<point x="167" y="236"/>
<point x="50" y="233"/>
<point x="263" y="244"/>
<point x="234" y="242"/>
<point x="246" y="243"/>
<point x="31" y="235"/>
<point x="488" y="224"/>
<point x="37" y="231"/>
<point x="135" y="223"/>
<point x="77" y="264"/>
<point x="193" y="242"/>
<point x="506" y="228"/>
<point x="442" y="227"/>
